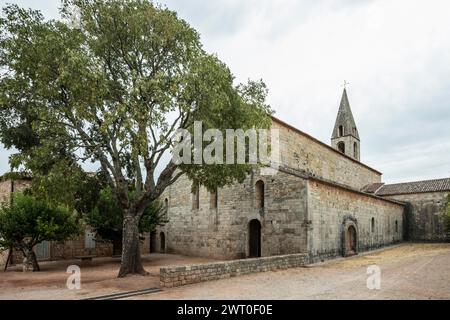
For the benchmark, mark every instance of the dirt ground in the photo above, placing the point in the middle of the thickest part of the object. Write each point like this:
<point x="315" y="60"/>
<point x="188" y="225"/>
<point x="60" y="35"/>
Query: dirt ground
<point x="96" y="280"/>
<point x="408" y="271"/>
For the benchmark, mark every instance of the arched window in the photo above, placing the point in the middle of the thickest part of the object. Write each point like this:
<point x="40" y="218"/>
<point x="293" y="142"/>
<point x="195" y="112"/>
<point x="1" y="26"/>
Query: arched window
<point x="372" y="225"/>
<point x="341" y="131"/>
<point x="355" y="150"/>
<point x="259" y="194"/>
<point x="196" y="198"/>
<point x="213" y="199"/>
<point x="341" y="147"/>
<point x="166" y="207"/>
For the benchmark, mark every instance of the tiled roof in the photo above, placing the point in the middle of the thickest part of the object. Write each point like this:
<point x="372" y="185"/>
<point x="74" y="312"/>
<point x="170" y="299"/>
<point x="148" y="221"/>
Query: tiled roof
<point x="372" y="188"/>
<point x="413" y="187"/>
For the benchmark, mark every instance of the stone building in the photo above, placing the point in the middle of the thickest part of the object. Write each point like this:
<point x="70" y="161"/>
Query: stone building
<point x="425" y="203"/>
<point x="320" y="202"/>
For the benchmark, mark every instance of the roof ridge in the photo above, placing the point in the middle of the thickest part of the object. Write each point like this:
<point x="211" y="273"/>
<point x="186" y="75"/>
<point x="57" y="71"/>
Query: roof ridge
<point x="418" y="181"/>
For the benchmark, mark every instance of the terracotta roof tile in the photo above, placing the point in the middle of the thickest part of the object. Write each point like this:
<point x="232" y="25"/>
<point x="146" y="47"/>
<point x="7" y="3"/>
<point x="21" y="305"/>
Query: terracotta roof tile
<point x="372" y="188"/>
<point x="414" y="187"/>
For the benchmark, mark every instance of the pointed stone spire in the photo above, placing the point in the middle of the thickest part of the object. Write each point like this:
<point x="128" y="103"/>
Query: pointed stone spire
<point x="345" y="137"/>
<point x="345" y="123"/>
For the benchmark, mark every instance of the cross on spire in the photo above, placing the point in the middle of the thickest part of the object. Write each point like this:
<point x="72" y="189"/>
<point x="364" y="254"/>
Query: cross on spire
<point x="345" y="84"/>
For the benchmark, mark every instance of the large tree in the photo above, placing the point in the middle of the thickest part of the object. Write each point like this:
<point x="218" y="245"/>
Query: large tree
<point x="111" y="82"/>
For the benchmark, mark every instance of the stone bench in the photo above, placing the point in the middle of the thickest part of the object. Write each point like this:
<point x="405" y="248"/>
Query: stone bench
<point x="85" y="260"/>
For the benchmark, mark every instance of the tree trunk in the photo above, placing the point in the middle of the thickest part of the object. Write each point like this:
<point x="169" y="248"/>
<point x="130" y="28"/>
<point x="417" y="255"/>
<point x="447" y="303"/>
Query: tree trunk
<point x="131" y="253"/>
<point x="31" y="257"/>
<point x="9" y="259"/>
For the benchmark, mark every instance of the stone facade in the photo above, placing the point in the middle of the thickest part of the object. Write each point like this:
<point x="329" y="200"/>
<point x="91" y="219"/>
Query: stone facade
<point x="301" y="214"/>
<point x="182" y="275"/>
<point x="8" y="185"/>
<point x="331" y="209"/>
<point x="424" y="217"/>
<point x="302" y="152"/>
<point x="222" y="232"/>
<point x="313" y="205"/>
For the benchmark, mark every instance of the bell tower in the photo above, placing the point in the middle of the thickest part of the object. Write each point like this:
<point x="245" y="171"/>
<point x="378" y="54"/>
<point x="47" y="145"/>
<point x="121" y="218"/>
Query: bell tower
<point x="345" y="137"/>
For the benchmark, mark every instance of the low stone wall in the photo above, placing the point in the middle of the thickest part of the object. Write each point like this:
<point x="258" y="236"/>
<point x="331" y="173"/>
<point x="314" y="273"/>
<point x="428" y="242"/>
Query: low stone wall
<point x="176" y="276"/>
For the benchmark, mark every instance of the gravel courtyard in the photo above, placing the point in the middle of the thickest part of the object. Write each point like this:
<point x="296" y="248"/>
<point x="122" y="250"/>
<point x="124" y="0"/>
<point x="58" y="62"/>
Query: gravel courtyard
<point x="96" y="280"/>
<point x="408" y="271"/>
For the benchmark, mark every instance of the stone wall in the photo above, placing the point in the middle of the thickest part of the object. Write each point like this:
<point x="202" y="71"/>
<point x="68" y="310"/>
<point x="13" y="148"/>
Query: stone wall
<point x="5" y="188"/>
<point x="176" y="276"/>
<point x="76" y="247"/>
<point x="300" y="151"/>
<point x="425" y="219"/>
<point x="331" y="208"/>
<point x="223" y="232"/>
<point x="3" y="257"/>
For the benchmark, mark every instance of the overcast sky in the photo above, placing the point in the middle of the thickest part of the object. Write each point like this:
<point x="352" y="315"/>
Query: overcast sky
<point x="395" y="54"/>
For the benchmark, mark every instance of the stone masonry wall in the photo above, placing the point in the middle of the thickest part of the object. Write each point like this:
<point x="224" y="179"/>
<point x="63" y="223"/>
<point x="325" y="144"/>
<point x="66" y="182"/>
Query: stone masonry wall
<point x="301" y="152"/>
<point x="425" y="220"/>
<point x="176" y="276"/>
<point x="223" y="232"/>
<point x="329" y="207"/>
<point x="5" y="188"/>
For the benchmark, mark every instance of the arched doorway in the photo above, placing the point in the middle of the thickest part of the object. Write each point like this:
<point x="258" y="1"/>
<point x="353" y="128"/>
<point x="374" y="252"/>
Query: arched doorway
<point x="152" y="242"/>
<point x="254" y="239"/>
<point x="350" y="241"/>
<point x="162" y="239"/>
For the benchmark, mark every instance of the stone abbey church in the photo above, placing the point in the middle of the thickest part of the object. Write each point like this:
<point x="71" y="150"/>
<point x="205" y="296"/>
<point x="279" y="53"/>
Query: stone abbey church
<point x="323" y="201"/>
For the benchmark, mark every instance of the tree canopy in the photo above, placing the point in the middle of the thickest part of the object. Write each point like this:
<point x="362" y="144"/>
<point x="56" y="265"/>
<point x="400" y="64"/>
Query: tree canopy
<point x="111" y="82"/>
<point x="26" y="222"/>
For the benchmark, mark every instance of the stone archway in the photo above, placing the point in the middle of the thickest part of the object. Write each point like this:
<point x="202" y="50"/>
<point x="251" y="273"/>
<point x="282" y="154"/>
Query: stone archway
<point x="254" y="238"/>
<point x="349" y="237"/>
<point x="350" y="241"/>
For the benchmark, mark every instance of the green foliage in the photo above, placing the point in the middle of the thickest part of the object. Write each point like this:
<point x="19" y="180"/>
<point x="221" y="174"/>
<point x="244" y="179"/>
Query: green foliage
<point x="27" y="221"/>
<point x="107" y="217"/>
<point x="67" y="184"/>
<point x="110" y="84"/>
<point x="113" y="88"/>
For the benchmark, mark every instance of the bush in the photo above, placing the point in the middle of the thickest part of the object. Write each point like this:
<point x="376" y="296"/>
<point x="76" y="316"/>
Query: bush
<point x="26" y="222"/>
